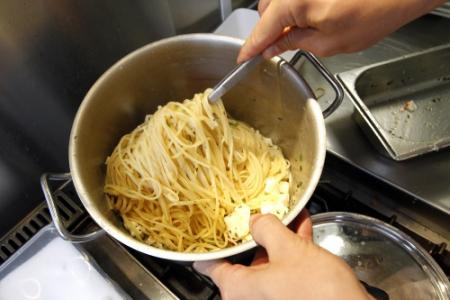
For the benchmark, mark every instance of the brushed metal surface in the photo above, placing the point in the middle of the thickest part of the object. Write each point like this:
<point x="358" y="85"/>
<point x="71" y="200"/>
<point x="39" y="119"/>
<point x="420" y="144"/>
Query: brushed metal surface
<point x="272" y="99"/>
<point x="51" y="52"/>
<point x="426" y="177"/>
<point x="381" y="94"/>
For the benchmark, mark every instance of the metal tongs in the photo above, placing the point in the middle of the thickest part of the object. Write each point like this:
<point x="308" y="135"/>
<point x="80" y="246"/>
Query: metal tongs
<point x="232" y="78"/>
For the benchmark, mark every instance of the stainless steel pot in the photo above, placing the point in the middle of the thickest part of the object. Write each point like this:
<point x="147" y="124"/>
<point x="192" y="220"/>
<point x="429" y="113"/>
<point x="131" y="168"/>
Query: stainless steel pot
<point x="273" y="99"/>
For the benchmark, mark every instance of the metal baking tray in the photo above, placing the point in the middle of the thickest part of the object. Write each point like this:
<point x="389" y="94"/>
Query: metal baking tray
<point x="403" y="104"/>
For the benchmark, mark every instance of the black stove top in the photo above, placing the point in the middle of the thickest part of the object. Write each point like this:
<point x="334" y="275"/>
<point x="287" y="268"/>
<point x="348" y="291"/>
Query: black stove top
<point x="342" y="188"/>
<point x="332" y="194"/>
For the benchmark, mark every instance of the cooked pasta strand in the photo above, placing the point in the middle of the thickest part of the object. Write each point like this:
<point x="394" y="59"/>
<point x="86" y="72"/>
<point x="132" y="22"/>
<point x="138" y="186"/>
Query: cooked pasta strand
<point x="176" y="176"/>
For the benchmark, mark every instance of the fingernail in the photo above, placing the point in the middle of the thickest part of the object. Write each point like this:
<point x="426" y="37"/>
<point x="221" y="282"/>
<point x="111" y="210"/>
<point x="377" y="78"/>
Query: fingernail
<point x="271" y="52"/>
<point x="253" y="218"/>
<point x="198" y="266"/>
<point x="202" y="266"/>
<point x="240" y="58"/>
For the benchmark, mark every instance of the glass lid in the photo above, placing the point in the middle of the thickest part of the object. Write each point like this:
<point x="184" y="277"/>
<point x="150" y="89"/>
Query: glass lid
<point x="381" y="255"/>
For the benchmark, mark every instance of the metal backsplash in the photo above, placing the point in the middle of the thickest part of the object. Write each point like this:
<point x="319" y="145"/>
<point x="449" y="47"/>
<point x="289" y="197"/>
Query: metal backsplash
<point x="51" y="52"/>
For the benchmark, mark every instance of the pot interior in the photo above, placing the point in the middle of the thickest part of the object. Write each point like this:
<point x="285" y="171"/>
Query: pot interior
<point x="272" y="99"/>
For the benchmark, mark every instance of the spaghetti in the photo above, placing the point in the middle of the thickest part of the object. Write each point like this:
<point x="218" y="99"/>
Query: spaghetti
<point x="181" y="180"/>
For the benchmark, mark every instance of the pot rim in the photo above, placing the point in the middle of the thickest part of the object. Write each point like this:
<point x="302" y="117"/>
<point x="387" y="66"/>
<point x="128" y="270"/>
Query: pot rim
<point x="127" y="239"/>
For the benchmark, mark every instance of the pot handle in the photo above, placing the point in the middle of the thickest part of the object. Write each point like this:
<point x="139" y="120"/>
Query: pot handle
<point x="51" y="203"/>
<point x="375" y="292"/>
<point x="335" y="85"/>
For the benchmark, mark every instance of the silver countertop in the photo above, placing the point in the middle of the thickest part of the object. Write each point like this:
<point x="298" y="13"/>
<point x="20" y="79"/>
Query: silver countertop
<point x="428" y="177"/>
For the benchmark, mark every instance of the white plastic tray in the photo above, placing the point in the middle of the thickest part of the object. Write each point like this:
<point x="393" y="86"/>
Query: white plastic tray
<point x="47" y="267"/>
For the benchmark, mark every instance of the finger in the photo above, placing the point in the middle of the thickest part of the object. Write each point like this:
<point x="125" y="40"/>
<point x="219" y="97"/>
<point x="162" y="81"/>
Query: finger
<point x="302" y="225"/>
<point x="268" y="231"/>
<point x="266" y="31"/>
<point x="307" y="39"/>
<point x="218" y="270"/>
<point x="260" y="257"/>
<point x="262" y="5"/>
<point x="214" y="269"/>
<point x="234" y="281"/>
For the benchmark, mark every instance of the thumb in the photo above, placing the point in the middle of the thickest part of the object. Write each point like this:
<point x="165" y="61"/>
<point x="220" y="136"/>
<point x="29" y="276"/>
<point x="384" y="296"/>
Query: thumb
<point x="268" y="231"/>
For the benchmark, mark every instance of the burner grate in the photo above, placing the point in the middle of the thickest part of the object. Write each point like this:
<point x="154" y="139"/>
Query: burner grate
<point x="181" y="279"/>
<point x="336" y="192"/>
<point x="38" y="218"/>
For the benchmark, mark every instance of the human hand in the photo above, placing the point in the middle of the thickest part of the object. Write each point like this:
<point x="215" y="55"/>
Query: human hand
<point x="294" y="267"/>
<point x="328" y="27"/>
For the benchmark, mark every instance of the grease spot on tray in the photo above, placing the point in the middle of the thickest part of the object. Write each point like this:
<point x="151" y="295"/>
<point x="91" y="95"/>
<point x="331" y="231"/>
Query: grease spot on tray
<point x="418" y="118"/>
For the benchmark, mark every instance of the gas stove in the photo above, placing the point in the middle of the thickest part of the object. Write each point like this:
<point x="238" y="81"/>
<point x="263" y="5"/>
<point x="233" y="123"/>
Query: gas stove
<point x="342" y="188"/>
<point x="47" y="73"/>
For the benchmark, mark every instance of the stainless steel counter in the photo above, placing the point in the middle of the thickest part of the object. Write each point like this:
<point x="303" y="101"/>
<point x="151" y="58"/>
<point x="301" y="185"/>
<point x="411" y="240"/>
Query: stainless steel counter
<point x="428" y="177"/>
